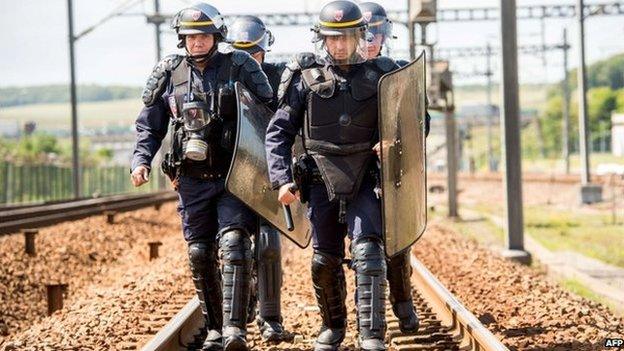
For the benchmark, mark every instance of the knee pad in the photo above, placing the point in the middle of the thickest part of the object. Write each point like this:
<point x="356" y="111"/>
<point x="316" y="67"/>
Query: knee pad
<point x="370" y="287"/>
<point x="324" y="267"/>
<point x="401" y="263"/>
<point x="235" y="246"/>
<point x="368" y="256"/>
<point x="202" y="254"/>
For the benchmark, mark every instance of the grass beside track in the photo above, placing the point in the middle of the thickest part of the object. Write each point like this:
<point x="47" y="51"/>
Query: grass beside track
<point x="488" y="234"/>
<point x="558" y="229"/>
<point x="591" y="234"/>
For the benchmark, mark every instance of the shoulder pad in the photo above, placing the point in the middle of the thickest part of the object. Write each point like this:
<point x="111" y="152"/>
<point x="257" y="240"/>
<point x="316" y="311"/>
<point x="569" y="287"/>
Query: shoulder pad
<point x="320" y="80"/>
<point x="239" y="57"/>
<point x="157" y="81"/>
<point x="261" y="87"/>
<point x="297" y="63"/>
<point x="385" y="64"/>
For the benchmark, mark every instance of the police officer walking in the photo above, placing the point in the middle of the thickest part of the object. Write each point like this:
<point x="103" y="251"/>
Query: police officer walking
<point x="399" y="267"/>
<point x="333" y="101"/>
<point x="195" y="94"/>
<point x="248" y="33"/>
<point x="380" y="33"/>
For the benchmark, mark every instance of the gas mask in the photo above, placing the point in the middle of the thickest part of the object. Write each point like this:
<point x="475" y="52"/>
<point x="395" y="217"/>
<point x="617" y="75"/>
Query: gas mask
<point x="196" y="118"/>
<point x="197" y="115"/>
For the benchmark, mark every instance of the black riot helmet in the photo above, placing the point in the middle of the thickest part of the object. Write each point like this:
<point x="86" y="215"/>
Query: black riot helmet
<point x="197" y="19"/>
<point x="249" y="33"/>
<point x="341" y="18"/>
<point x="377" y="19"/>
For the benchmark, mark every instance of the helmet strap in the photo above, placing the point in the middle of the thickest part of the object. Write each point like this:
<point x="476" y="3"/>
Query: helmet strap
<point x="203" y="57"/>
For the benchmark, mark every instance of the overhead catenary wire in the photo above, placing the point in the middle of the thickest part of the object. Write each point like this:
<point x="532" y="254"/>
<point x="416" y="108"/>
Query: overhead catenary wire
<point x="119" y="10"/>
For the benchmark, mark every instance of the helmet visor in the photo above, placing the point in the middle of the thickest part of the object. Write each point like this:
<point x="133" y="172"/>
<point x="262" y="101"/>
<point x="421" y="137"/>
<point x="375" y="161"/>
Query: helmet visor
<point x="380" y="25"/>
<point x="342" y="46"/>
<point x="377" y="45"/>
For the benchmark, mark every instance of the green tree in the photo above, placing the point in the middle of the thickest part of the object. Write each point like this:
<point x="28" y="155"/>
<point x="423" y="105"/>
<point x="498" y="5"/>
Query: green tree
<point x="619" y="101"/>
<point x="104" y="155"/>
<point x="609" y="73"/>
<point x="600" y="103"/>
<point x="604" y="73"/>
<point x="34" y="148"/>
<point x="551" y="119"/>
<point x="13" y="96"/>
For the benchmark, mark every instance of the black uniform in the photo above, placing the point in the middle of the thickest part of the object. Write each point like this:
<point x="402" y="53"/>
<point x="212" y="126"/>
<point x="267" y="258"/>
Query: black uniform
<point x="399" y="269"/>
<point x="338" y="120"/>
<point x="208" y="213"/>
<point x="249" y="33"/>
<point x="332" y="102"/>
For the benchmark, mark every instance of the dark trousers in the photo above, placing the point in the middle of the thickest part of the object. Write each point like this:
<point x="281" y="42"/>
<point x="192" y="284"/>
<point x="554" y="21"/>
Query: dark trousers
<point x="363" y="218"/>
<point x="207" y="209"/>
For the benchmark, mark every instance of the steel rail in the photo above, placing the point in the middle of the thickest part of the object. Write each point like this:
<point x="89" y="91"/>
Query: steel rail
<point x="180" y="331"/>
<point x="40" y="216"/>
<point x="466" y="329"/>
<point x="453" y="315"/>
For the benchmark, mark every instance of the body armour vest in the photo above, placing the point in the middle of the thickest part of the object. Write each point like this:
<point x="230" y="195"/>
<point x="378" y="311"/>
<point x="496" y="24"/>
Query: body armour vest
<point x="220" y="134"/>
<point x="340" y="126"/>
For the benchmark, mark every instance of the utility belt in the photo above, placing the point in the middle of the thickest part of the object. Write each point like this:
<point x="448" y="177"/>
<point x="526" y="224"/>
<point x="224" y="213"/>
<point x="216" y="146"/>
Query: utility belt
<point x="201" y="172"/>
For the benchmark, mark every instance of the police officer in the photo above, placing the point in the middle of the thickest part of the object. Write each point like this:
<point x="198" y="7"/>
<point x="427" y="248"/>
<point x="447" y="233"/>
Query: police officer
<point x="399" y="267"/>
<point x="248" y="33"/>
<point x="380" y="33"/>
<point x="379" y="28"/>
<point x="194" y="92"/>
<point x="332" y="100"/>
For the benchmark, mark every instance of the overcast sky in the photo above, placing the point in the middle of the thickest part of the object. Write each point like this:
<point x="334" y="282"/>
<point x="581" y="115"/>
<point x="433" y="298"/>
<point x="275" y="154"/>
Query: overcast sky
<point x="33" y="37"/>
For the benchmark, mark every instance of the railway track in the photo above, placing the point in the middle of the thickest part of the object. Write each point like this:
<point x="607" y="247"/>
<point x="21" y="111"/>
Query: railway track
<point x="445" y="324"/>
<point x="15" y="219"/>
<point x="528" y="177"/>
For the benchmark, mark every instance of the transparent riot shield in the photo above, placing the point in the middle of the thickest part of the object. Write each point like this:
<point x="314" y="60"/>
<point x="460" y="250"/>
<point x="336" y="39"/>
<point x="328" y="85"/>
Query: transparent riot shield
<point x="403" y="171"/>
<point x="248" y="178"/>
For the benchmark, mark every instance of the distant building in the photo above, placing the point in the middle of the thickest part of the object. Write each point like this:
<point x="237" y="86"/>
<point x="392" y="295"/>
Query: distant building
<point x="479" y="113"/>
<point x="471" y="111"/>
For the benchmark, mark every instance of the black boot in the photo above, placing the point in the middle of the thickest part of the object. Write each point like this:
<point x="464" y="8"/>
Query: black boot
<point x="369" y="264"/>
<point x="331" y="290"/>
<point x="399" y="278"/>
<point x="269" y="263"/>
<point x="207" y="280"/>
<point x="236" y="259"/>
